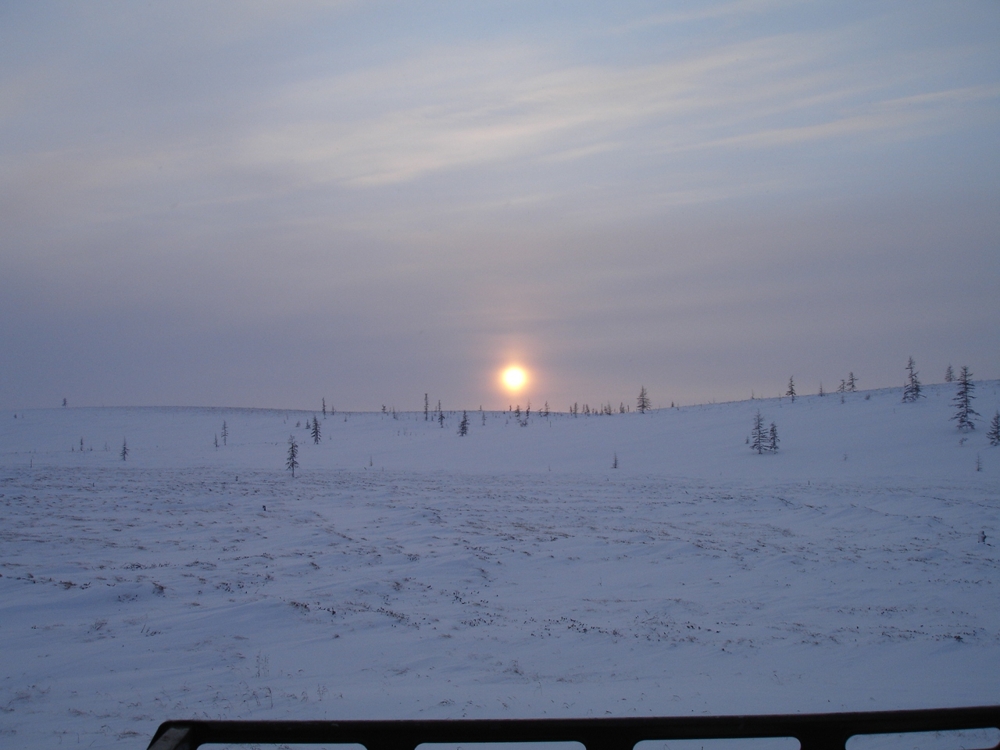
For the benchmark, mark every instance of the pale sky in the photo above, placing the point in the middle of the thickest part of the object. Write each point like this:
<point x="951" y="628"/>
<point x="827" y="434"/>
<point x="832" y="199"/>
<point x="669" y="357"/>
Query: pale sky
<point x="268" y="203"/>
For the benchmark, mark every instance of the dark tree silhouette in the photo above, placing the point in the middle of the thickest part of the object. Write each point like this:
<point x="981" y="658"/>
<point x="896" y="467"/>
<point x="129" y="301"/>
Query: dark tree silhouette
<point x="949" y="375"/>
<point x="463" y="426"/>
<point x="324" y="406"/>
<point x="912" y="389"/>
<point x="642" y="403"/>
<point x="791" y="389"/>
<point x="994" y="433"/>
<point x="427" y="405"/>
<point x="964" y="412"/>
<point x="758" y="440"/>
<point x="225" y="432"/>
<point x="315" y="431"/>
<point x="772" y="438"/>
<point x="292" y="461"/>
<point x="124" y="450"/>
<point x="852" y="383"/>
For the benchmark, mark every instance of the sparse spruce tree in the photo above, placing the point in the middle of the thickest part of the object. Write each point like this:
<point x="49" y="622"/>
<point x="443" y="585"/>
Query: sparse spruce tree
<point x="772" y="438"/>
<point x="292" y="461"/>
<point x="463" y="426"/>
<point x="912" y="388"/>
<point x="852" y="383"/>
<point x="315" y="431"/>
<point x="791" y="389"/>
<point x="324" y="407"/>
<point x="994" y="433"/>
<point x="225" y="433"/>
<point x="842" y="389"/>
<point x="545" y="409"/>
<point x="483" y="415"/>
<point x="964" y="412"/>
<point x="517" y="412"/>
<point x="949" y="375"/>
<point x="440" y="417"/>
<point x="614" y="464"/>
<point x="216" y="441"/>
<point x="821" y="391"/>
<point x="758" y="440"/>
<point x="642" y="403"/>
<point x="124" y="450"/>
<point x="427" y="405"/>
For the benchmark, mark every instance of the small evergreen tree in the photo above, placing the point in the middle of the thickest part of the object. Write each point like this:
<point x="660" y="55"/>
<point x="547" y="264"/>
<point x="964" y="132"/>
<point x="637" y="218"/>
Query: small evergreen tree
<point x="124" y="450"/>
<point x="614" y="464"/>
<point x="963" y="401"/>
<point x="483" y="415"/>
<point x="517" y="412"/>
<point x="225" y="432"/>
<point x="292" y="461"/>
<point x="758" y="440"/>
<point x="440" y="417"/>
<point x="427" y="405"/>
<point x="791" y="389"/>
<point x="545" y="409"/>
<point x="841" y="389"/>
<point x="911" y="391"/>
<point x="949" y="375"/>
<point x="324" y="407"/>
<point x="772" y="438"/>
<point x="463" y="426"/>
<point x="852" y="383"/>
<point x="315" y="431"/>
<point x="821" y="391"/>
<point x="994" y="433"/>
<point x="642" y="403"/>
<point x="216" y="441"/>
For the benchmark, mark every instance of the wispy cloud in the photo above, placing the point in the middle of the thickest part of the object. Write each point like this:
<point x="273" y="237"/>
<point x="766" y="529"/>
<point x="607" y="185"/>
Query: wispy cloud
<point x="466" y="108"/>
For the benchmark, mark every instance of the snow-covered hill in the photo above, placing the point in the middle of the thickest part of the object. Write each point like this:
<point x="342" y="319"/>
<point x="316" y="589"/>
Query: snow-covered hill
<point x="408" y="572"/>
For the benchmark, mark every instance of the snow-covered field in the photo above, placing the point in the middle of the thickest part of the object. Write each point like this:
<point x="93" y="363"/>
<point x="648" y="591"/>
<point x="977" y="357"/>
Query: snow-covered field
<point x="407" y="572"/>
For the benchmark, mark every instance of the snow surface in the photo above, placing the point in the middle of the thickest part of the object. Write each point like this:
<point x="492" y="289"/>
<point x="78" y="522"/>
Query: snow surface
<point x="407" y="572"/>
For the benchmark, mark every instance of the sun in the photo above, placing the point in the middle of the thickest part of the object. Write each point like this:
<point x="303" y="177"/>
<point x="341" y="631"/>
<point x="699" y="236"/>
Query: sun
<point x="514" y="378"/>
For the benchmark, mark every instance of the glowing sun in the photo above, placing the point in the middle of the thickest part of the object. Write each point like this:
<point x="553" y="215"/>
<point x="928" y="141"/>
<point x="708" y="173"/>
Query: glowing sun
<point x="514" y="378"/>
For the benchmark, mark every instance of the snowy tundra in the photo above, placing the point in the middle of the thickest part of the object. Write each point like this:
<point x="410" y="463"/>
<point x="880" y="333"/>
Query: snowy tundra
<point x="410" y="572"/>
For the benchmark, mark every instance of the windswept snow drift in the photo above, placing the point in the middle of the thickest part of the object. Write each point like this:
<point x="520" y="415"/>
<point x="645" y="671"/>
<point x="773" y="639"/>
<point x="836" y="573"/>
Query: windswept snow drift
<point x="407" y="572"/>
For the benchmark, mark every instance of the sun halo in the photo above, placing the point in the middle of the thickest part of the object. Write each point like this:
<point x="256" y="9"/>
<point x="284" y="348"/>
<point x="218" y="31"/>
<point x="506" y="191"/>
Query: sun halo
<point x="514" y="378"/>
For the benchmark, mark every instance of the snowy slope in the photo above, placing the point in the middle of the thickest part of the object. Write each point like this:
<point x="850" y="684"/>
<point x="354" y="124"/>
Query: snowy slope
<point x="408" y="572"/>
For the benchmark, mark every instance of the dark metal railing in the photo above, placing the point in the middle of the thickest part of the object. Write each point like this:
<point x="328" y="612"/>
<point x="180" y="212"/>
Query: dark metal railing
<point x="813" y="731"/>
